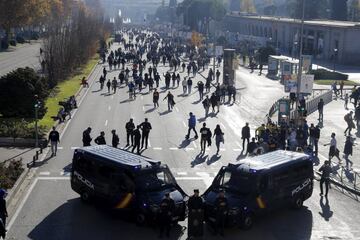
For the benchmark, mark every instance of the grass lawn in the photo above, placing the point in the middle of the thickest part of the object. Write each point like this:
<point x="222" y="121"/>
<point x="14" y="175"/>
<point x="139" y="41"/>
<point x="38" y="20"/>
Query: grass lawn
<point x="64" y="90"/>
<point x="329" y="82"/>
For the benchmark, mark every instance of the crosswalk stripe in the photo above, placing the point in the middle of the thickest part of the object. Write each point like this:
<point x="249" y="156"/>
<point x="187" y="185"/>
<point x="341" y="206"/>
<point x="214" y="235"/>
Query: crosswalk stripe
<point x="157" y="148"/>
<point x="173" y="149"/>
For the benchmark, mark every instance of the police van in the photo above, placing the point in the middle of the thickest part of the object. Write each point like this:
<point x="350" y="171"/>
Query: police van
<point x="125" y="181"/>
<point x="261" y="184"/>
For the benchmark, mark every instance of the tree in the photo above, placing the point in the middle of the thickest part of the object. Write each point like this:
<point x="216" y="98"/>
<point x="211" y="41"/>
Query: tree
<point x="339" y="10"/>
<point x="18" y="91"/>
<point x="18" y="13"/>
<point x="354" y="11"/>
<point x="247" y="6"/>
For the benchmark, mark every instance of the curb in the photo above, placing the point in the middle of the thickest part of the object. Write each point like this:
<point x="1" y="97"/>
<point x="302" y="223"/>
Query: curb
<point x="14" y="190"/>
<point x="339" y="184"/>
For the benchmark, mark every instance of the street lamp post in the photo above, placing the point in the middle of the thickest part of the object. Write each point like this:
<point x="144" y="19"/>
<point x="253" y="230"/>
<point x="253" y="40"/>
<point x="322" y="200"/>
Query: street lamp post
<point x="335" y="56"/>
<point x="300" y="64"/>
<point x="36" y="106"/>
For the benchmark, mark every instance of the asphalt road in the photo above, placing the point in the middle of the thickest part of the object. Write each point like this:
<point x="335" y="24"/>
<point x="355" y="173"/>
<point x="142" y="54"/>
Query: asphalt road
<point x="51" y="210"/>
<point x="25" y="55"/>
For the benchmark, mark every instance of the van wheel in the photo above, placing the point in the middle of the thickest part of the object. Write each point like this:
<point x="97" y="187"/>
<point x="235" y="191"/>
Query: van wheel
<point x="298" y="202"/>
<point x="85" y="197"/>
<point x="247" y="222"/>
<point x="140" y="219"/>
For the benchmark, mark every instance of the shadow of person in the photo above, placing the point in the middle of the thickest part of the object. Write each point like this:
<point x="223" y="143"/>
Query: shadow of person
<point x="200" y="158"/>
<point x="326" y="212"/>
<point x="185" y="143"/>
<point x="202" y="119"/>
<point x="196" y="102"/>
<point x="213" y="159"/>
<point x="242" y="155"/>
<point x="150" y="110"/>
<point x="349" y="175"/>
<point x="164" y="113"/>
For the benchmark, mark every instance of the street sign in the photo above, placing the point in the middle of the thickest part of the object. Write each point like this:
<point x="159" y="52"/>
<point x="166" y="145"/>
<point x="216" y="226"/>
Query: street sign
<point x="290" y="83"/>
<point x="307" y="82"/>
<point x="307" y="63"/>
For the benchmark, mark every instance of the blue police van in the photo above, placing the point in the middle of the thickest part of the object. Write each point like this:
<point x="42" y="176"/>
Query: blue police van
<point x="261" y="184"/>
<point x="125" y="181"/>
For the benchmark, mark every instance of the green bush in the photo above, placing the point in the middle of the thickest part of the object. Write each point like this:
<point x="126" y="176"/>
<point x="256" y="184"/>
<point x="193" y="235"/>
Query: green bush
<point x="19" y="128"/>
<point x="20" y="39"/>
<point x="264" y="53"/>
<point x="12" y="42"/>
<point x="10" y="172"/>
<point x="4" y="44"/>
<point x="19" y="91"/>
<point x="328" y="75"/>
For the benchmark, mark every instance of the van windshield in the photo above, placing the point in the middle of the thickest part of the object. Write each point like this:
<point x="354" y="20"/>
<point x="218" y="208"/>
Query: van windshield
<point x="239" y="182"/>
<point x="154" y="180"/>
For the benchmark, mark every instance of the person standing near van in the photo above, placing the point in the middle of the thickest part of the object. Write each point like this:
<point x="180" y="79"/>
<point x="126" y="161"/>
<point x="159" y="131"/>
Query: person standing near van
<point x="130" y="126"/>
<point x="167" y="207"/>
<point x="115" y="139"/>
<point x="245" y="135"/>
<point x="221" y="208"/>
<point x="100" y="140"/>
<point x="321" y="110"/>
<point x="145" y="127"/>
<point x="348" y="150"/>
<point x="137" y="138"/>
<point x="325" y="177"/>
<point x="3" y="211"/>
<point x="86" y="137"/>
<point x="196" y="215"/>
<point x="54" y="139"/>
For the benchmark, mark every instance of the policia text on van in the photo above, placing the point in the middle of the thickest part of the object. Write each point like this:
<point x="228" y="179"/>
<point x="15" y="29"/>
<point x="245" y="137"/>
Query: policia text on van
<point x="259" y="184"/>
<point x="125" y="181"/>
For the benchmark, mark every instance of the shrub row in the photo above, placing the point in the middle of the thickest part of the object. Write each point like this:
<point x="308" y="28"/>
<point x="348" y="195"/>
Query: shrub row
<point x="320" y="74"/>
<point x="10" y="172"/>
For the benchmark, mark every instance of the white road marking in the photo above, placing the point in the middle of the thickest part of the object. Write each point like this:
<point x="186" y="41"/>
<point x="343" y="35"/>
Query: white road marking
<point x="44" y="173"/>
<point x="106" y="123"/>
<point x="73" y="148"/>
<point x="184" y="124"/>
<point x="109" y="108"/>
<point x="157" y="148"/>
<point x="62" y="173"/>
<point x="194" y="144"/>
<point x="237" y="150"/>
<point x="222" y="149"/>
<point x="142" y="97"/>
<point x="206" y="177"/>
<point x="149" y="143"/>
<point x="182" y="173"/>
<point x="189" y="149"/>
<point x="223" y="126"/>
<point x="112" y="97"/>
<point x="173" y="149"/>
<point x="176" y="109"/>
<point x="143" y="107"/>
<point x="190" y="178"/>
<point x="60" y="148"/>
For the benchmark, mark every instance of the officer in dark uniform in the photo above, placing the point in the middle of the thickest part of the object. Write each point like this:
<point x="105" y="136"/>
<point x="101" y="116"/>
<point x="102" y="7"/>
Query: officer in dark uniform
<point x="100" y="140"/>
<point x="145" y="127"/>
<point x="86" y="137"/>
<point x="167" y="207"/>
<point x="137" y="138"/>
<point x="221" y="208"/>
<point x="130" y="126"/>
<point x="196" y="215"/>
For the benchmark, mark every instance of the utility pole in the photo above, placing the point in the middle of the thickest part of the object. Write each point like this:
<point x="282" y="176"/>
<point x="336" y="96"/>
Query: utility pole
<point x="36" y="121"/>
<point x="300" y="63"/>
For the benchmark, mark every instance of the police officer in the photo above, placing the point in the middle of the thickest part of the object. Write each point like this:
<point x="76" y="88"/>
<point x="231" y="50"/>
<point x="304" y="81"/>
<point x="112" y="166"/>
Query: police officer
<point x="145" y="127"/>
<point x="100" y="140"/>
<point x="167" y="207"/>
<point x="130" y="126"/>
<point x="195" y="223"/>
<point x="115" y="139"/>
<point x="137" y="137"/>
<point x="221" y="208"/>
<point x="86" y="137"/>
<point x="325" y="177"/>
<point x="54" y="139"/>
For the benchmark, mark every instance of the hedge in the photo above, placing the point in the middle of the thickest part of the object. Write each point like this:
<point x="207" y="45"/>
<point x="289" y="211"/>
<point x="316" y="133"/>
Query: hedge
<point x="328" y="75"/>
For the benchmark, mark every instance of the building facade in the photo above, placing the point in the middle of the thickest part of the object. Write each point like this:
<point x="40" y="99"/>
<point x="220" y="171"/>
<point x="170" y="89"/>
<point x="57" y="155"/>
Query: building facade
<point x="323" y="39"/>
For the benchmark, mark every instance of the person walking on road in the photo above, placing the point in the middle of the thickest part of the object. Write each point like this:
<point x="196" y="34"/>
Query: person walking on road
<point x="206" y="105"/>
<point x="114" y="85"/>
<point x="217" y="76"/>
<point x="349" y="121"/>
<point x="221" y="208"/>
<point x="205" y="135"/>
<point x="325" y="177"/>
<point x="86" y="139"/>
<point x="145" y="127"/>
<point x="54" y="139"/>
<point x="189" y="85"/>
<point x="219" y="138"/>
<point x="191" y="125"/>
<point x="167" y="208"/>
<point x="115" y="139"/>
<point x="137" y="138"/>
<point x="184" y="85"/>
<point x="170" y="101"/>
<point x="348" y="150"/>
<point x="108" y="85"/>
<point x="245" y="135"/>
<point x="346" y="101"/>
<point x="156" y="96"/>
<point x="100" y="140"/>
<point x="200" y="86"/>
<point x="130" y="126"/>
<point x="333" y="151"/>
<point x="3" y="210"/>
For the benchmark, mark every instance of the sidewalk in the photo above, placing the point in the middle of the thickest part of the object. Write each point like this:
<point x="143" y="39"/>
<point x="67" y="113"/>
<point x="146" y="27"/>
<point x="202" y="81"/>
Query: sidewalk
<point x="334" y="122"/>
